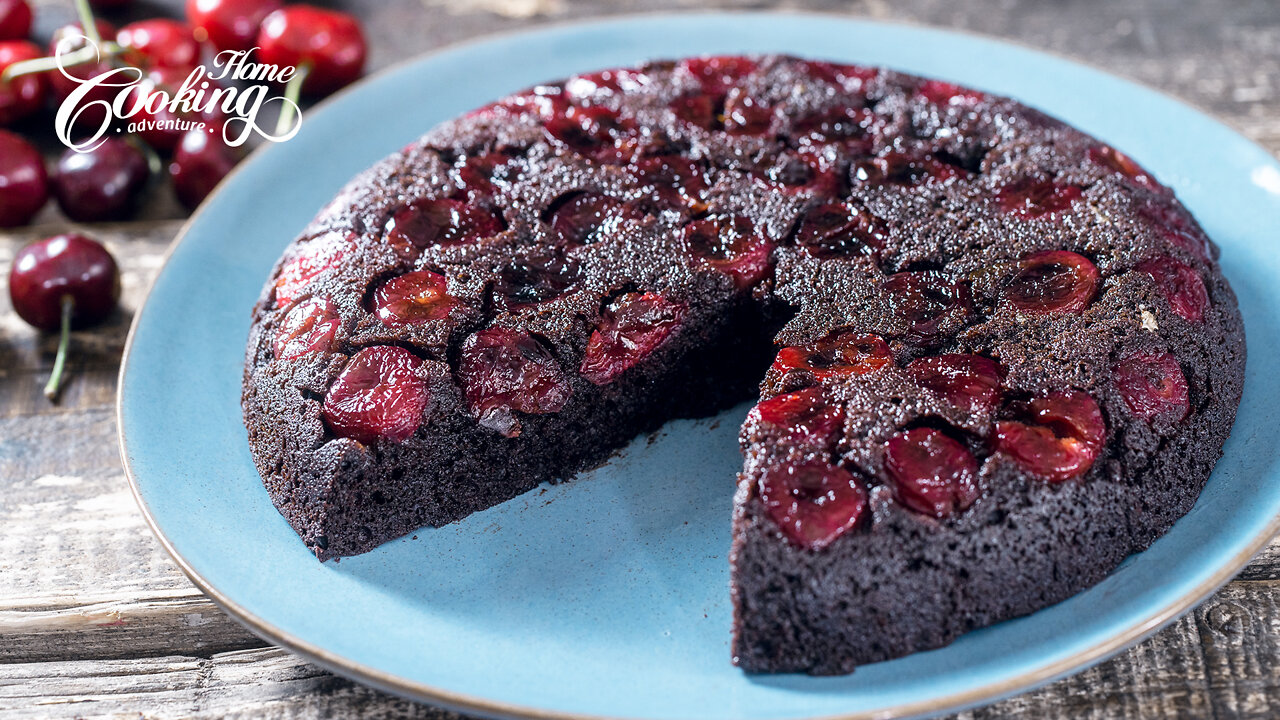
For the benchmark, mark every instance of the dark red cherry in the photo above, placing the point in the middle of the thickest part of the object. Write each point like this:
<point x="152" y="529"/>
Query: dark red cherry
<point x="378" y="396"/>
<point x="806" y="413"/>
<point x="633" y="327"/>
<point x="101" y="184"/>
<point x="1061" y="439"/>
<point x="699" y="110"/>
<point x="24" y="184"/>
<point x="944" y="93"/>
<point x="812" y="502"/>
<point x="927" y="302"/>
<point x="1031" y="198"/>
<point x="902" y="168"/>
<point x="841" y="353"/>
<point x="730" y="244"/>
<point x="506" y="371"/>
<point x="329" y="43"/>
<point x="717" y="74"/>
<point x="842" y="124"/>
<point x="315" y="257"/>
<point x="841" y="229"/>
<point x="849" y="77"/>
<point x="800" y="171"/>
<point x="1176" y="226"/>
<point x="229" y="24"/>
<point x="745" y="114"/>
<point x="534" y="279"/>
<point x="412" y="299"/>
<point x="1113" y="159"/>
<point x="673" y="180"/>
<point x="15" y="20"/>
<point x="595" y="132"/>
<point x="931" y="473"/>
<point x="585" y="218"/>
<point x="308" y="327"/>
<point x="1180" y="285"/>
<point x="428" y="223"/>
<point x="479" y="175"/>
<point x="199" y="164"/>
<point x="1053" y="281"/>
<point x="159" y="42"/>
<point x="969" y="382"/>
<point x="64" y="266"/>
<point x="1153" y="386"/>
<point x="24" y="95"/>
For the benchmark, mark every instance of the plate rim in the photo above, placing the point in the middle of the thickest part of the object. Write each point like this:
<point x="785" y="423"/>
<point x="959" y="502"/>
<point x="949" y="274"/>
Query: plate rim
<point x="422" y="692"/>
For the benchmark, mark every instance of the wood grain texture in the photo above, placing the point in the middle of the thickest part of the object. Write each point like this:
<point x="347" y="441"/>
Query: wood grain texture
<point x="96" y="621"/>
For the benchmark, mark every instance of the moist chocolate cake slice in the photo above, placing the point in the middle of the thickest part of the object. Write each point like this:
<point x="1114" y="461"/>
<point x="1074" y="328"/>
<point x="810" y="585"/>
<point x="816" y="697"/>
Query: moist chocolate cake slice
<point x="997" y="355"/>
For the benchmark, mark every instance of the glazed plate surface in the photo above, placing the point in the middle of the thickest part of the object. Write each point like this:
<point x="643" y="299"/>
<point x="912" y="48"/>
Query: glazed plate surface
<point x="608" y="596"/>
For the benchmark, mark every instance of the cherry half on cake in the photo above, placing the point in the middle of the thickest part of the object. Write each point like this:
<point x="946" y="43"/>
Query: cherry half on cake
<point x="1180" y="285"/>
<point x="1060" y="439"/>
<point x="1053" y="281"/>
<point x="584" y="218"/>
<point x="633" y="326"/>
<point x="309" y="327"/>
<point x="927" y="302"/>
<point x="413" y="299"/>
<point x="812" y="502"/>
<point x="931" y="472"/>
<point x="730" y="244"/>
<point x="378" y="396"/>
<point x="838" y="354"/>
<point x="969" y="382"/>
<point x="807" y="414"/>
<point x="505" y="371"/>
<point x="317" y="256"/>
<point x="1031" y="198"/>
<point x="841" y="229"/>
<point x="441" y="222"/>
<point x="1153" y="386"/>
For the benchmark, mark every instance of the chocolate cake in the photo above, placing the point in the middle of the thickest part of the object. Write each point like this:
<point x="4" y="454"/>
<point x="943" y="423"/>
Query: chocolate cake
<point x="993" y="355"/>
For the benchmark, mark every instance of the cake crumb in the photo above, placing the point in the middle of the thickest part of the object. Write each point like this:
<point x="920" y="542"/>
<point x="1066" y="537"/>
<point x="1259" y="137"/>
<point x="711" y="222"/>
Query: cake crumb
<point x="1149" y="320"/>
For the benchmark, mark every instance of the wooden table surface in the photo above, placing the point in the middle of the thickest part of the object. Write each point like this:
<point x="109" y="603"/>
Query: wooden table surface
<point x="96" y="621"/>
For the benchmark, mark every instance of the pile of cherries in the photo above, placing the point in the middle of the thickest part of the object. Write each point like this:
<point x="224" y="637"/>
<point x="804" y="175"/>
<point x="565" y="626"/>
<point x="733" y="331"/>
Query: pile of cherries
<point x="107" y="182"/>
<point x="931" y="468"/>
<point x="72" y="281"/>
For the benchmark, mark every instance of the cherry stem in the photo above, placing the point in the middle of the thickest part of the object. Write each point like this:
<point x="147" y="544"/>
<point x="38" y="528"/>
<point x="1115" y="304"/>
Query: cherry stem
<point x="83" y="56"/>
<point x="87" y="22"/>
<point x="54" y="385"/>
<point x="292" y="91"/>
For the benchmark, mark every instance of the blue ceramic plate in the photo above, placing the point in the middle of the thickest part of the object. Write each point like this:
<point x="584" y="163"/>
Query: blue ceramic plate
<point x="608" y="596"/>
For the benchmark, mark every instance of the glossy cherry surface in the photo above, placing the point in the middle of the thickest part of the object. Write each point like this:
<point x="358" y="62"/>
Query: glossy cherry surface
<point x="159" y="42"/>
<point x="841" y="353"/>
<point x="504" y="371"/>
<point x="228" y="24"/>
<point x="199" y="164"/>
<point x="378" y="396"/>
<point x="969" y="382"/>
<point x="634" y="325"/>
<point x="70" y="265"/>
<point x="309" y="327"/>
<point x="24" y="183"/>
<point x="331" y="44"/>
<point x="1153" y="386"/>
<point x="24" y="95"/>
<point x="806" y="413"/>
<point x="730" y="244"/>
<point x="15" y="20"/>
<point x="413" y="298"/>
<point x="812" y="502"/>
<point x="1060" y="439"/>
<point x="931" y="472"/>
<point x="101" y="184"/>
<point x="1053" y="281"/>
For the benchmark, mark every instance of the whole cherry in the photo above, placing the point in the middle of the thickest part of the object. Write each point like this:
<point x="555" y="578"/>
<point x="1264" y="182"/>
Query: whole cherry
<point x="199" y="164"/>
<point x="101" y="184"/>
<point x="61" y="282"/>
<point x="229" y="24"/>
<point x="24" y="184"/>
<point x="15" y="19"/>
<point x="159" y="42"/>
<point x="328" y="47"/>
<point x="68" y="39"/>
<point x="23" y="95"/>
